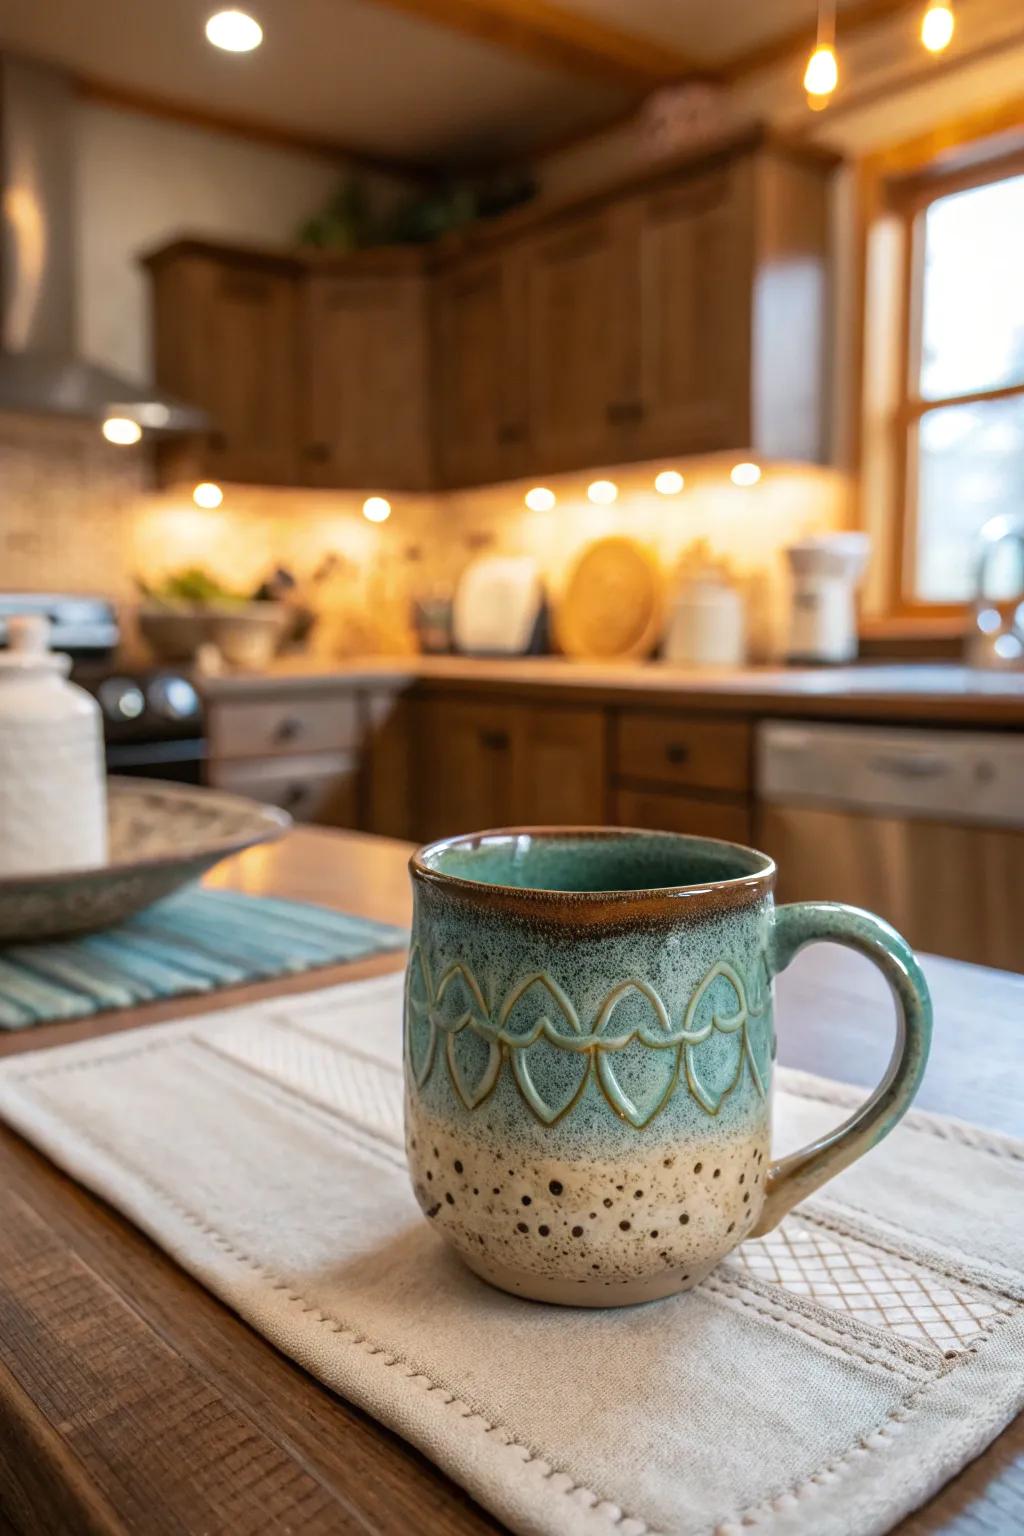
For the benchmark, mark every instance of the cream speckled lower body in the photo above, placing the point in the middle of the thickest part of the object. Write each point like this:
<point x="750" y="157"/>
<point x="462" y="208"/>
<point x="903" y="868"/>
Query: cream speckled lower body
<point x="589" y="1232"/>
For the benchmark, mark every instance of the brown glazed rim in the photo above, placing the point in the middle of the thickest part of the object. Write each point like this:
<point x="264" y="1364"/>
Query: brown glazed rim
<point x="596" y="909"/>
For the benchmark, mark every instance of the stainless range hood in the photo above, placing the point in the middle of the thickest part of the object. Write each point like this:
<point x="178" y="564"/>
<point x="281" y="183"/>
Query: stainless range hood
<point x="40" y="372"/>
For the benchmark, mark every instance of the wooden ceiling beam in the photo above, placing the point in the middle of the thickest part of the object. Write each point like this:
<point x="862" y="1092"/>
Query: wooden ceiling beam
<point x="566" y="40"/>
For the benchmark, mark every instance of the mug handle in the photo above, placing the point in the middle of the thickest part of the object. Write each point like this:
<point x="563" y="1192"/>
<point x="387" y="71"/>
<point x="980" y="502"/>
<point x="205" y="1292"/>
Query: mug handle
<point x="793" y="1178"/>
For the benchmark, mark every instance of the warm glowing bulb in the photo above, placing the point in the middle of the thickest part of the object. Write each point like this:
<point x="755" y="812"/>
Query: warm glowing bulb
<point x="745" y="474"/>
<point x="540" y="499"/>
<point x="121" y="430"/>
<point x="377" y="509"/>
<point x="937" y="26"/>
<point x="207" y="494"/>
<point x="822" y="73"/>
<point x="669" y="483"/>
<point x="603" y="492"/>
<point x="234" y="31"/>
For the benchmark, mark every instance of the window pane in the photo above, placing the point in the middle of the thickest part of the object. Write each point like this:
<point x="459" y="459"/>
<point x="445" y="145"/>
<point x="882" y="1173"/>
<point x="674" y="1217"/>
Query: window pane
<point x="970" y="467"/>
<point x="973" y="324"/>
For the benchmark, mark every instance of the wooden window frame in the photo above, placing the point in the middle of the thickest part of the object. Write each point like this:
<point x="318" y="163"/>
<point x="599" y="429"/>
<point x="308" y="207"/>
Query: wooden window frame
<point x="908" y="199"/>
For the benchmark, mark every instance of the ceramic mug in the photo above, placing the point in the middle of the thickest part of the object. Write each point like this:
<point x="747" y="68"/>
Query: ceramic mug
<point x="588" y="1055"/>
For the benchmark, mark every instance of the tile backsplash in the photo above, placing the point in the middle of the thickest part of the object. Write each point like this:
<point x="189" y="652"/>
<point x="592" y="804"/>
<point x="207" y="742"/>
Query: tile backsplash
<point x="79" y="515"/>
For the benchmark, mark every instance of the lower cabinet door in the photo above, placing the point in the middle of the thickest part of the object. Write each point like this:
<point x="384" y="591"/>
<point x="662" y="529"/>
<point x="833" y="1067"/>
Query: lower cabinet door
<point x="662" y="812"/>
<point x="561" y="767"/>
<point x="318" y="788"/>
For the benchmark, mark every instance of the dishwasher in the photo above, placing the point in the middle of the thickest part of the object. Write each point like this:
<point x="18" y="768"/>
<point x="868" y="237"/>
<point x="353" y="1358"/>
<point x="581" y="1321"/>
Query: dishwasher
<point x="926" y="828"/>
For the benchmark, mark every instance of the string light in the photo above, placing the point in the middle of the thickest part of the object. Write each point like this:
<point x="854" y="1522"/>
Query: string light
<point x="822" y="73"/>
<point x="669" y="482"/>
<point x="937" y="26"/>
<point x="376" y="509"/>
<point x="603" y="492"/>
<point x="540" y="499"/>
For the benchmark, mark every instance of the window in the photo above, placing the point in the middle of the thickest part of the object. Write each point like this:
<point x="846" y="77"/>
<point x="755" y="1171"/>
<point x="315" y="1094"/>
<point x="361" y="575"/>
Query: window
<point x="961" y="421"/>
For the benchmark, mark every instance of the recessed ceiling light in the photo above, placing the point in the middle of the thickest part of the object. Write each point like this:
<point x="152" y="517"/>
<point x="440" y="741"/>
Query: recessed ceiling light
<point x="377" y="509"/>
<point x="540" y="499"/>
<point x="208" y="494"/>
<point x="121" y="430"/>
<point x="603" y="492"/>
<point x="234" y="31"/>
<point x="669" y="483"/>
<point x="745" y="474"/>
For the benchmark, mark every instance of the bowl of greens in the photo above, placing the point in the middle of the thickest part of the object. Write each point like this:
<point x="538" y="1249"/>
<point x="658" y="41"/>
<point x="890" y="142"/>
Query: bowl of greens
<point x="191" y="608"/>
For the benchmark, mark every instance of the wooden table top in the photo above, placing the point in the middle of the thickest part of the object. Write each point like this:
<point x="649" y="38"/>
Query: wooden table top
<point x="132" y="1401"/>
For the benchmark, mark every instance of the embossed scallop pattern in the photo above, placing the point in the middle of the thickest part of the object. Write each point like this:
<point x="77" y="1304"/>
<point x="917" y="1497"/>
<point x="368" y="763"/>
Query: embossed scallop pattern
<point x="631" y="1047"/>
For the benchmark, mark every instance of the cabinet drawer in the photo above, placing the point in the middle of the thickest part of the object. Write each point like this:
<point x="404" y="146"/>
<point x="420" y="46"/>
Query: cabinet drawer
<point x="319" y="788"/>
<point x="679" y="749"/>
<point x="661" y="811"/>
<point x="273" y="727"/>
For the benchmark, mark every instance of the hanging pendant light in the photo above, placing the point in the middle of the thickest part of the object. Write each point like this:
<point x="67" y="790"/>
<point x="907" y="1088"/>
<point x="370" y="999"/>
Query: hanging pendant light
<point x="937" y="25"/>
<point x="822" y="73"/>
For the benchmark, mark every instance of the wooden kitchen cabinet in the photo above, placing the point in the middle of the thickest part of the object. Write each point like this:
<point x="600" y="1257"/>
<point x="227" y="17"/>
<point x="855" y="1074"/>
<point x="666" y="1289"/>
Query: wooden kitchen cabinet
<point x="700" y="816"/>
<point x="482" y="764"/>
<point x="682" y="312"/>
<point x="691" y="260"/>
<point x="225" y="338"/>
<point x="363" y="374"/>
<point x="300" y="749"/>
<point x="577" y="336"/>
<point x="480" y="407"/>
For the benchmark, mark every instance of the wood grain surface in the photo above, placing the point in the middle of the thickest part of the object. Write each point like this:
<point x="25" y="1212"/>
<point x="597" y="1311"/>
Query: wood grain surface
<point x="132" y="1401"/>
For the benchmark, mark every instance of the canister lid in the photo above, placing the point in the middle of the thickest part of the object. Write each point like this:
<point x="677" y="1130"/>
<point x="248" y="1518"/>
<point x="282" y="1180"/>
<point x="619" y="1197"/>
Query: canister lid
<point x="28" y="646"/>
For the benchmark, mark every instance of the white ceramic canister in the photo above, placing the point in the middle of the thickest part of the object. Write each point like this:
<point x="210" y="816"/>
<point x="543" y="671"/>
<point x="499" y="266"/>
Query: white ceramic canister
<point x="707" y="624"/>
<point x="53" y="793"/>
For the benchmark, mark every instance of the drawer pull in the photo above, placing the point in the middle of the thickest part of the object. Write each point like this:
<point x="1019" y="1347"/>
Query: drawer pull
<point x="677" y="753"/>
<point x="494" y="741"/>
<point x="293" y="796"/>
<point x="288" y="729"/>
<point x="317" y="453"/>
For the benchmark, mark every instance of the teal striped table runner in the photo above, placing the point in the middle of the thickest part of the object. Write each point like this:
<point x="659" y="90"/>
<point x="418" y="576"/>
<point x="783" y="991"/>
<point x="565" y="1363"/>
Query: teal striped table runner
<point x="195" y="941"/>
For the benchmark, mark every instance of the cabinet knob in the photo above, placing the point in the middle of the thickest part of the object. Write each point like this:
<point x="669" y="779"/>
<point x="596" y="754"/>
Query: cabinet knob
<point x="288" y="729"/>
<point x="293" y="796"/>
<point x="677" y="753"/>
<point x="512" y="432"/>
<point x="217" y="441"/>
<point x="317" y="453"/>
<point x="494" y="741"/>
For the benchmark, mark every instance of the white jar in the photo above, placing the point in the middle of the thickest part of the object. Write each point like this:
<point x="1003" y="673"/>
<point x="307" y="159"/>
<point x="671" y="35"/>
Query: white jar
<point x="53" y="793"/>
<point x="707" y="625"/>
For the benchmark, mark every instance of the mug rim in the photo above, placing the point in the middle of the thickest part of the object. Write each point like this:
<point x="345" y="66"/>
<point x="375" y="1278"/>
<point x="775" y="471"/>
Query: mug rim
<point x="610" y="908"/>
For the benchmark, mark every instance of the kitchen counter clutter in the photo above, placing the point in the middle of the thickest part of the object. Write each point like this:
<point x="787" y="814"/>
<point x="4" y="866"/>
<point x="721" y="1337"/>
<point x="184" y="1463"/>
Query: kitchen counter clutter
<point x="132" y="1397"/>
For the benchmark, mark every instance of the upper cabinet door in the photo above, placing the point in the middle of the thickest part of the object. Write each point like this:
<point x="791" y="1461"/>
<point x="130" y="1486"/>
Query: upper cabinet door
<point x="479" y="406"/>
<point x="694" y="270"/>
<point x="577" y="336"/>
<point x="250" y="373"/>
<point x="364" y="382"/>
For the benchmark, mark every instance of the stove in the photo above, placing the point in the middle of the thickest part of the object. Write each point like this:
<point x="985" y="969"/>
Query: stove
<point x="152" y="716"/>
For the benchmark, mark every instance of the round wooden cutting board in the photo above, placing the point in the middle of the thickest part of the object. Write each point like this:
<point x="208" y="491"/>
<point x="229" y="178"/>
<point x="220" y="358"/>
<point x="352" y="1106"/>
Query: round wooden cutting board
<point x="613" y="602"/>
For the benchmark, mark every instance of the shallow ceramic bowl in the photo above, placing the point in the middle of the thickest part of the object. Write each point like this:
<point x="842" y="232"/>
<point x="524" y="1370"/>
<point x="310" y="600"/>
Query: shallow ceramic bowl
<point x="161" y="837"/>
<point x="246" y="634"/>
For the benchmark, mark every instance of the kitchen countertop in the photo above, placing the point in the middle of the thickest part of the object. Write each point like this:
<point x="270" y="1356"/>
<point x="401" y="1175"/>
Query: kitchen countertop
<point x="132" y="1400"/>
<point x="941" y="692"/>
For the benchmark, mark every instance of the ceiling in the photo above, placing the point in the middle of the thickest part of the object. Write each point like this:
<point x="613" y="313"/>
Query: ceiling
<point x="379" y="78"/>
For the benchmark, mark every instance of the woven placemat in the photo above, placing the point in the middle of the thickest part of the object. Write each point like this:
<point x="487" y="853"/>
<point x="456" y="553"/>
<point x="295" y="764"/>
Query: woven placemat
<point x="196" y="941"/>
<point x="823" y="1381"/>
